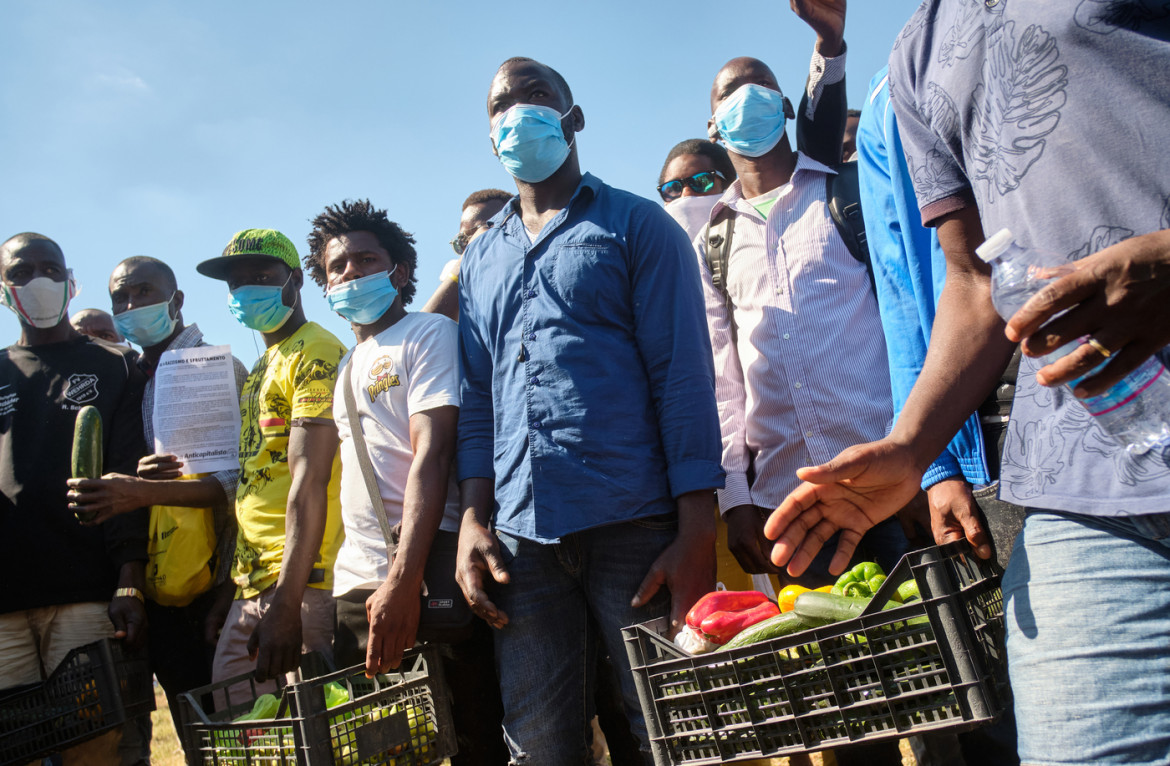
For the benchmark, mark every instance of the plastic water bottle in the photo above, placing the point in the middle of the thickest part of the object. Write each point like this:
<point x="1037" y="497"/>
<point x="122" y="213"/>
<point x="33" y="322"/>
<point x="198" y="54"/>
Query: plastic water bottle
<point x="1135" y="411"/>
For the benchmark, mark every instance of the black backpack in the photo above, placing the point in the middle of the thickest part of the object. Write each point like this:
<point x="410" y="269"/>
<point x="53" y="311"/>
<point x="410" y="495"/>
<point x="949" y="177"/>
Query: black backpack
<point x="843" y="193"/>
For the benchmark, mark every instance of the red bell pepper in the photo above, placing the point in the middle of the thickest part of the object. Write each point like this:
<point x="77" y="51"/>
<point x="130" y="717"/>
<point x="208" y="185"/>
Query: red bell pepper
<point x="723" y="601"/>
<point x="721" y="627"/>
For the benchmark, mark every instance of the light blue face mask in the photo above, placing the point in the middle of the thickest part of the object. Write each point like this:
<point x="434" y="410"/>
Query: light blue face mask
<point x="530" y="141"/>
<point x="148" y="325"/>
<point x="363" y="300"/>
<point x="259" y="307"/>
<point x="751" y="120"/>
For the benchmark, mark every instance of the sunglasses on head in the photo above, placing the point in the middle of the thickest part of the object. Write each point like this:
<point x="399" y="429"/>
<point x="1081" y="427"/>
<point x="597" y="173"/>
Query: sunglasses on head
<point x="700" y="183"/>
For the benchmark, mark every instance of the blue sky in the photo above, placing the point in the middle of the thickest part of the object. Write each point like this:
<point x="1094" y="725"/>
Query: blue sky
<point x="163" y="128"/>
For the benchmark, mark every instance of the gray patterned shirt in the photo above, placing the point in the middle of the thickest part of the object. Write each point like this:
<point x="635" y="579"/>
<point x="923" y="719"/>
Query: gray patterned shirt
<point x="1054" y="118"/>
<point x="223" y="512"/>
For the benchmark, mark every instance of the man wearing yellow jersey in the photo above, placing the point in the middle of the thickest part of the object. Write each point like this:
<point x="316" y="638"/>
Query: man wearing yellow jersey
<point x="287" y="499"/>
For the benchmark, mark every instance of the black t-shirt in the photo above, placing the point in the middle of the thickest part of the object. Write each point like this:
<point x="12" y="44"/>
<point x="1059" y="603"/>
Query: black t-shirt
<point x="51" y="559"/>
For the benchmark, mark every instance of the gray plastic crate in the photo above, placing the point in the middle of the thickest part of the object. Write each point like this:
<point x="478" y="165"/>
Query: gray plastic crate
<point x="96" y="688"/>
<point x="400" y="718"/>
<point x="933" y="664"/>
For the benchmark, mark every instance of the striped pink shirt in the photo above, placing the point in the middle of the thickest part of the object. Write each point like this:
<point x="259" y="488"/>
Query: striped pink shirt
<point x="808" y="376"/>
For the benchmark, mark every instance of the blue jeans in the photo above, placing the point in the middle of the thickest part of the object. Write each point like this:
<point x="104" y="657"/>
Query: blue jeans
<point x="1088" y="619"/>
<point x="559" y="596"/>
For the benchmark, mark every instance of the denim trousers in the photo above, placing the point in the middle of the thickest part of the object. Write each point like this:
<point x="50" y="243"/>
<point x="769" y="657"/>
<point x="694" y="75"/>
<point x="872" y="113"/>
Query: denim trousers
<point x="1087" y="602"/>
<point x="559" y="599"/>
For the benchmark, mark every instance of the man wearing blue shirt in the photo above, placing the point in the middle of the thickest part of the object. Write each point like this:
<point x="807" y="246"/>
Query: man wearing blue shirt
<point x="588" y="434"/>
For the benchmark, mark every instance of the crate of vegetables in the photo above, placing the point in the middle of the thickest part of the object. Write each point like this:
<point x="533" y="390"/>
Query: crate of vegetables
<point x="401" y="718"/>
<point x="837" y="670"/>
<point x="96" y="688"/>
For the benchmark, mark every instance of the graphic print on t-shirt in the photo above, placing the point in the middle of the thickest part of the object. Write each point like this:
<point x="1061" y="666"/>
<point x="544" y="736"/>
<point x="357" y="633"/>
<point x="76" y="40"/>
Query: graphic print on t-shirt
<point x="382" y="377"/>
<point x="82" y="388"/>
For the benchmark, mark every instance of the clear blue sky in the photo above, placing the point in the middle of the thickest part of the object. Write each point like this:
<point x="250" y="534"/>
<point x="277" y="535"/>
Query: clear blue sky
<point x="162" y="128"/>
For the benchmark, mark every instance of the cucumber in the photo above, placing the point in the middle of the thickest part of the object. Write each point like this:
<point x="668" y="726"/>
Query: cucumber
<point x="828" y="607"/>
<point x="87" y="449"/>
<point x="774" y="627"/>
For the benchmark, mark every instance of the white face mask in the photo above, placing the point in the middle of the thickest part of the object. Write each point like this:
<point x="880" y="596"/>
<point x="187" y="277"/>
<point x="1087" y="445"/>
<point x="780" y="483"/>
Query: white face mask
<point x="40" y="303"/>
<point x="692" y="213"/>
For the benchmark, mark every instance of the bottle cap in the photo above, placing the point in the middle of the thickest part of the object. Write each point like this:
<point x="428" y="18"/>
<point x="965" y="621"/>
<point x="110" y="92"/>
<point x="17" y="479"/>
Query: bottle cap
<point x="995" y="245"/>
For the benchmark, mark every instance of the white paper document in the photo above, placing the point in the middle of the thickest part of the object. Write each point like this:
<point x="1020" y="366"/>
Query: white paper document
<point x="197" y="408"/>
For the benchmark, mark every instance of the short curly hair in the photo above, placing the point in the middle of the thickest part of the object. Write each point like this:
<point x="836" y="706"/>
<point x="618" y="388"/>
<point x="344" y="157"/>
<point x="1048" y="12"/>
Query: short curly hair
<point x="360" y="215"/>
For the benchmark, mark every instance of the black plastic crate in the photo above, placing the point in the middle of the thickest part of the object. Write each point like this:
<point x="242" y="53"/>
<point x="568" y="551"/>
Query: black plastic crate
<point x="938" y="663"/>
<point x="96" y="688"/>
<point x="401" y="718"/>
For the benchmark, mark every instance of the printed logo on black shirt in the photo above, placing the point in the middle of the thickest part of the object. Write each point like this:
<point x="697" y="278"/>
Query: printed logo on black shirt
<point x="7" y="401"/>
<point x="82" y="389"/>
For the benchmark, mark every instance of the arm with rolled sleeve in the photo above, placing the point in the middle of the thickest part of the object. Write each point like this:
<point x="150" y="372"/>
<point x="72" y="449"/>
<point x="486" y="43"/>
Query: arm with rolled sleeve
<point x="821" y="116"/>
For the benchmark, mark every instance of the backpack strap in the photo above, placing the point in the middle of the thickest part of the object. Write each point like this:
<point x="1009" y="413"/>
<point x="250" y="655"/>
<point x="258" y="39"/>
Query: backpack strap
<point x="718" y="238"/>
<point x="843" y="196"/>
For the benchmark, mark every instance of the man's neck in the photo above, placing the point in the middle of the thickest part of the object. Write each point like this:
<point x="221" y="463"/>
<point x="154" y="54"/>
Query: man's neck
<point x="43" y="336"/>
<point x="393" y="314"/>
<point x="540" y="202"/>
<point x="151" y="354"/>
<point x="296" y="320"/>
<point x="760" y="175"/>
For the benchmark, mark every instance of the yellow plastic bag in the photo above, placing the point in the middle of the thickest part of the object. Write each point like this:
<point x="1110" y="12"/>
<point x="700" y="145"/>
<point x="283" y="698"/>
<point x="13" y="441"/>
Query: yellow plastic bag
<point x="180" y="550"/>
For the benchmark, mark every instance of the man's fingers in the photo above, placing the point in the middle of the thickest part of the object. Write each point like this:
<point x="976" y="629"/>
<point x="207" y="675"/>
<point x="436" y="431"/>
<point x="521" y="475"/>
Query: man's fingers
<point x="496" y="566"/>
<point x="810" y="545"/>
<point x="803" y="499"/>
<point x="1051" y="300"/>
<point x="788" y="543"/>
<point x="839" y="468"/>
<point x="653" y="580"/>
<point x="975" y="533"/>
<point x="1121" y="364"/>
<point x="847" y="543"/>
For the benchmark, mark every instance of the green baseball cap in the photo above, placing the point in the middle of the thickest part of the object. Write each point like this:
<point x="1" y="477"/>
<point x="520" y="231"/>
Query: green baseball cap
<point x="252" y="243"/>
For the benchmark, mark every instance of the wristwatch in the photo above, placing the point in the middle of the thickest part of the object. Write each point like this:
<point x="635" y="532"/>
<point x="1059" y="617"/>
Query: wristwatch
<point x="130" y="593"/>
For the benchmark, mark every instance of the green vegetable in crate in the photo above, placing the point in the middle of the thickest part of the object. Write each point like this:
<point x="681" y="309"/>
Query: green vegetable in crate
<point x="908" y="591"/>
<point x="830" y="607"/>
<point x="775" y="627"/>
<point x="264" y="709"/>
<point x="335" y="694"/>
<point x="87" y="450"/>
<point x="862" y="580"/>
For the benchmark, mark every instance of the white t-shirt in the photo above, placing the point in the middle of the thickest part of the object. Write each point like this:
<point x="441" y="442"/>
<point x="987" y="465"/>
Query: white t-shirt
<point x="410" y="367"/>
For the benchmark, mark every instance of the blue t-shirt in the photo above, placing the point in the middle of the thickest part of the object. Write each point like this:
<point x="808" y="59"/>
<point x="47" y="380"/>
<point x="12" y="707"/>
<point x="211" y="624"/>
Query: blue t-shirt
<point x="1055" y="116"/>
<point x="588" y="381"/>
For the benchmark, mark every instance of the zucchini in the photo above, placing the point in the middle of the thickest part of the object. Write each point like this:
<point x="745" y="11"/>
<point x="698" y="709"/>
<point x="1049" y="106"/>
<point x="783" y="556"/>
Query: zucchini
<point x="828" y="607"/>
<point x="87" y="449"/>
<point x="784" y="624"/>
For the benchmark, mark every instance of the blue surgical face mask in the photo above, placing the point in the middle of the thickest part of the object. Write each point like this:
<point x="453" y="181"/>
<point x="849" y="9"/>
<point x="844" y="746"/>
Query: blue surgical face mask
<point x="751" y="120"/>
<point x="147" y="326"/>
<point x="530" y="141"/>
<point x="363" y="300"/>
<point x="259" y="307"/>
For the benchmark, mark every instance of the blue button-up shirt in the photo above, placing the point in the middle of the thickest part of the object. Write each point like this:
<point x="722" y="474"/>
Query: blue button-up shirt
<point x="588" y="381"/>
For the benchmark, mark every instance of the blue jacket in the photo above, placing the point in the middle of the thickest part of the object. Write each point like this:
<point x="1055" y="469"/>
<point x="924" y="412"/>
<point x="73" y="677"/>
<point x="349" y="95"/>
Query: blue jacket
<point x="909" y="271"/>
